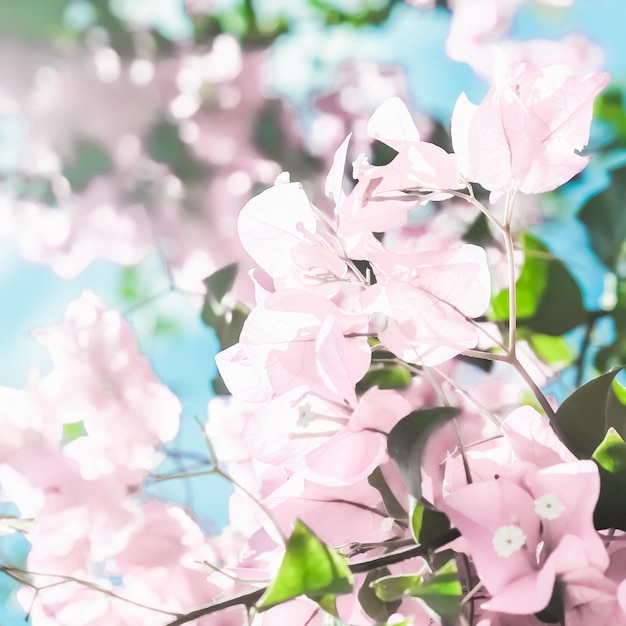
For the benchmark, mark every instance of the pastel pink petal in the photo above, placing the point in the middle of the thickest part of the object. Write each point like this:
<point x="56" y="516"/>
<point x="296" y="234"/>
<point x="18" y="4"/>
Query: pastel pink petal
<point x="525" y="595"/>
<point x="379" y="409"/>
<point x="333" y="187"/>
<point x="551" y="168"/>
<point x="293" y="366"/>
<point x="242" y="378"/>
<point x="285" y="316"/>
<point x="489" y="147"/>
<point x="392" y="123"/>
<point x="577" y="486"/>
<point x="532" y="438"/>
<point x="422" y="327"/>
<point x="270" y="225"/>
<point x="478" y="510"/>
<point x="346" y="457"/>
<point x="341" y="362"/>
<point x="267" y="435"/>
<point x="359" y="213"/>
<point x="567" y="562"/>
<point x="462" y="117"/>
<point x="320" y="507"/>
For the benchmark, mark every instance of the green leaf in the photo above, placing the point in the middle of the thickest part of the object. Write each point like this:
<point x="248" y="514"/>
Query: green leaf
<point x="386" y="377"/>
<point x="376" y="608"/>
<point x="587" y="414"/>
<point x="555" y="351"/>
<point x="166" y="146"/>
<point x="73" y="430"/>
<point x="441" y="593"/>
<point x="549" y="300"/>
<point x="427" y="523"/>
<point x="609" y="106"/>
<point x="407" y="439"/>
<point x="220" y="283"/>
<point x="531" y="284"/>
<point x="130" y="284"/>
<point x="393" y="508"/>
<point x="310" y="568"/>
<point x="32" y="19"/>
<point x="619" y="390"/>
<point x="90" y="160"/>
<point x="610" y="456"/>
<point x="479" y="232"/>
<point x="394" y="588"/>
<point x="604" y="216"/>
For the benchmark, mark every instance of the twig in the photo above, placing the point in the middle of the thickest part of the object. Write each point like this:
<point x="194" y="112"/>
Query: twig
<point x="249" y="599"/>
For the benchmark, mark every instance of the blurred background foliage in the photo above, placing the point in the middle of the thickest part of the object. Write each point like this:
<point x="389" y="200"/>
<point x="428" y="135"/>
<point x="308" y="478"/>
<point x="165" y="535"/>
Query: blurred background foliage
<point x="133" y="131"/>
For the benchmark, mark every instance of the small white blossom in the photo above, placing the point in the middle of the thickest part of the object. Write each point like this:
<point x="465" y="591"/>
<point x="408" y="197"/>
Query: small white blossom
<point x="549" y="506"/>
<point x="305" y="414"/>
<point x="508" y="539"/>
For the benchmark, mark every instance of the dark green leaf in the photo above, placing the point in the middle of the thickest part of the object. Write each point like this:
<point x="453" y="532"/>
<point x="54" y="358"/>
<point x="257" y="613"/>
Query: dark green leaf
<point x="610" y="457"/>
<point x="609" y="106"/>
<point x="604" y="215"/>
<point x="441" y="593"/>
<point x="386" y="377"/>
<point x="553" y="613"/>
<point x="549" y="300"/>
<point x="407" y="439"/>
<point x="310" y="568"/>
<point x="479" y="233"/>
<point x="376" y="608"/>
<point x="587" y="414"/>
<point x="382" y="154"/>
<point x="428" y="523"/>
<point x="219" y="386"/>
<point x="221" y="282"/>
<point x="394" y="588"/>
<point x="393" y="508"/>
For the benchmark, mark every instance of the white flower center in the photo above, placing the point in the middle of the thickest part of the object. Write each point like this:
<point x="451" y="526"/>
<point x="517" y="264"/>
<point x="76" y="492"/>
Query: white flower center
<point x="549" y="506"/>
<point x="508" y="539"/>
<point x="305" y="414"/>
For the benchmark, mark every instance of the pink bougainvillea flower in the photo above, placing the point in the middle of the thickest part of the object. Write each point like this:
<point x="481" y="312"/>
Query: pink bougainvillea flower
<point x="293" y="242"/>
<point x="422" y="302"/>
<point x="527" y="133"/>
<point x="101" y="379"/>
<point x="519" y="528"/>
<point x="377" y="204"/>
<point x="273" y="223"/>
<point x="532" y="438"/>
<point x="353" y="452"/>
<point x="296" y="338"/>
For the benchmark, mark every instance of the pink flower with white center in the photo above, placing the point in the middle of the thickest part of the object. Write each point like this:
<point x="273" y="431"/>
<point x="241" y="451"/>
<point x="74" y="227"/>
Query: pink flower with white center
<point x="527" y="133"/>
<point x="524" y="512"/>
<point x="508" y="539"/>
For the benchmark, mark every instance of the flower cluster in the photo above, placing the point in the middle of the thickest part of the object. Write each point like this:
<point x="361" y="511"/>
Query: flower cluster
<point x="335" y="303"/>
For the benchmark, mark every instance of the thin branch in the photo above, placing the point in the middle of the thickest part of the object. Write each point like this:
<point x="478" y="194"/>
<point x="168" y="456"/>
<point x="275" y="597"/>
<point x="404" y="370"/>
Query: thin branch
<point x="16" y="572"/>
<point x="252" y="597"/>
